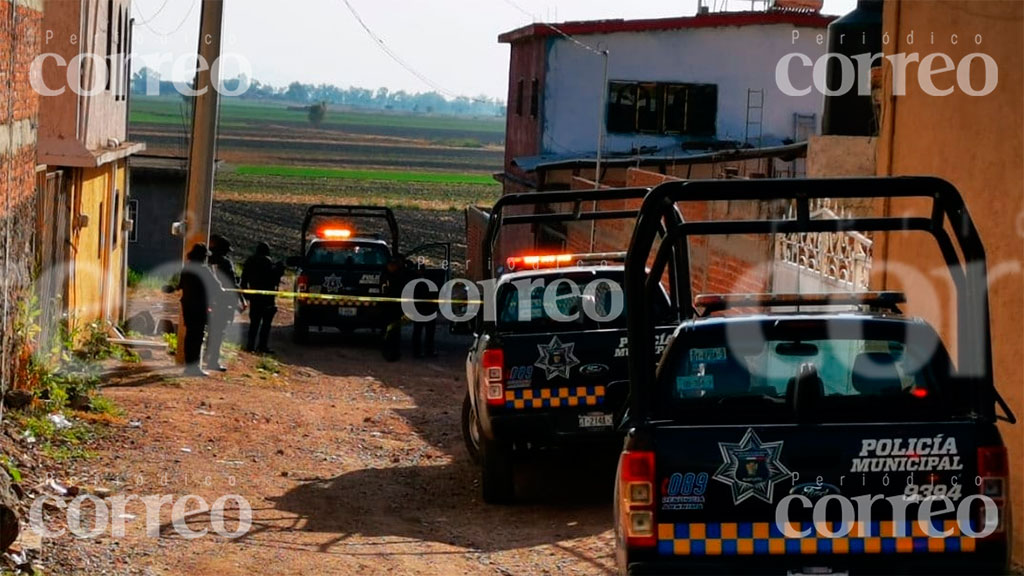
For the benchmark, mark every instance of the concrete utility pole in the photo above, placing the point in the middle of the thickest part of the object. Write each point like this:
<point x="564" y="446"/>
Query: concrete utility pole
<point x="203" y="144"/>
<point x="601" y="121"/>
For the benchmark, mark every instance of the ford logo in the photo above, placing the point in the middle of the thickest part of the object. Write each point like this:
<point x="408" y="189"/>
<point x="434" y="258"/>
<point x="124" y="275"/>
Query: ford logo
<point x="593" y="369"/>
<point x="814" y="491"/>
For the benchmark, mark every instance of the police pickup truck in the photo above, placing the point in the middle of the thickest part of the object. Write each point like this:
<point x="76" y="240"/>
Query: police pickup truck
<point x="826" y="434"/>
<point x="350" y="273"/>
<point x="549" y="368"/>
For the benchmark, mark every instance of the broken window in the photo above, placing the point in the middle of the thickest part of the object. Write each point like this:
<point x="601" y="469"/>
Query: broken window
<point x="648" y="108"/>
<point x="701" y="109"/>
<point x="622" y="107"/>
<point x="675" y="109"/>
<point x="658" y="108"/>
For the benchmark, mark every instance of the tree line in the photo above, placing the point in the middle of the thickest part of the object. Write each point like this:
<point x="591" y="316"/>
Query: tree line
<point x="352" y="97"/>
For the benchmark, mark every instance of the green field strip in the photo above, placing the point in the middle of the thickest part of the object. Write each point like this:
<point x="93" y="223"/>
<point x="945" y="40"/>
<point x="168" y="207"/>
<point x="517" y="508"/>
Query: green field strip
<point x="366" y="175"/>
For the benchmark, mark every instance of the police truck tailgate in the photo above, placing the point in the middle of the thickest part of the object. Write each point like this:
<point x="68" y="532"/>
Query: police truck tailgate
<point x="573" y="369"/>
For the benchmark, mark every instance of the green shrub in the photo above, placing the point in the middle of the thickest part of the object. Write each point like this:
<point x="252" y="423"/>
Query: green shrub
<point x="268" y="365"/>
<point x="172" y="342"/>
<point x="134" y="278"/>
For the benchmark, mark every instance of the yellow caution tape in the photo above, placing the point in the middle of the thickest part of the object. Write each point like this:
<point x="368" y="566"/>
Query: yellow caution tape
<point x="348" y="298"/>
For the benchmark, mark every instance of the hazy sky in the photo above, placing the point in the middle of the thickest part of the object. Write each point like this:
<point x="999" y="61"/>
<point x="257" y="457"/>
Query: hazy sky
<point x="451" y="42"/>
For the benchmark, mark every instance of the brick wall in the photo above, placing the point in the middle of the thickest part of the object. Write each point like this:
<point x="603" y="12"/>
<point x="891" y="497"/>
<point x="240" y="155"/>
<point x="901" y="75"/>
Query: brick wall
<point x="19" y="105"/>
<point x="728" y="264"/>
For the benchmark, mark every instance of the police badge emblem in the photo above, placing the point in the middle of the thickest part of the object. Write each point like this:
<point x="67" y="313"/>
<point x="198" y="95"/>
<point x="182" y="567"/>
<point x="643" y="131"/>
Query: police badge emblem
<point x="751" y="468"/>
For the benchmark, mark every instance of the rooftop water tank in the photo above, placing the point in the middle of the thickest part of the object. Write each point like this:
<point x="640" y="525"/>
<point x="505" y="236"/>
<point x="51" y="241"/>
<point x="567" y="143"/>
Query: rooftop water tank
<point x="859" y="32"/>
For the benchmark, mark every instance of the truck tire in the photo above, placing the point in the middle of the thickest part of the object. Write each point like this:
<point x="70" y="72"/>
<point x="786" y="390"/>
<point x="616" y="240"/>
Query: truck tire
<point x="300" y="332"/>
<point x="470" y="430"/>
<point x="498" y="474"/>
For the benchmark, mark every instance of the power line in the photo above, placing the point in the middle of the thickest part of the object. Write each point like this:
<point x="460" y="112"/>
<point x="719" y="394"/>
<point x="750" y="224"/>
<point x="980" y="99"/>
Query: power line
<point x="398" y="59"/>
<point x="557" y="30"/>
<point x="155" y="14"/>
<point x="176" y="28"/>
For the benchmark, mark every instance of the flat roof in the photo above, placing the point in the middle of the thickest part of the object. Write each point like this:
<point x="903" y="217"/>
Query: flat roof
<point x="710" y="20"/>
<point x="660" y="157"/>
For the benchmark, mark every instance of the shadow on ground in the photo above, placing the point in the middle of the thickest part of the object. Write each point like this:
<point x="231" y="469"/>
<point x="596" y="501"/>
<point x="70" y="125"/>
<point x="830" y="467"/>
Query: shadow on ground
<point x="416" y="504"/>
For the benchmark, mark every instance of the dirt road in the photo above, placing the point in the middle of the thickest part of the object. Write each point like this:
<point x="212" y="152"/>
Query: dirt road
<point x="351" y="466"/>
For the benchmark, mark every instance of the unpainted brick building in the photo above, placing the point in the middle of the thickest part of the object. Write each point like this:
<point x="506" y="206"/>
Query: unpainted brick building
<point x="20" y="33"/>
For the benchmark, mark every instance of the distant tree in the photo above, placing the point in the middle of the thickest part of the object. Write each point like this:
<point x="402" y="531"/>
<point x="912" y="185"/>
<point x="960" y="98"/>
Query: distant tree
<point x="238" y="84"/>
<point x="297" y="92"/>
<point x="142" y="79"/>
<point x="317" y="113"/>
<point x="352" y="97"/>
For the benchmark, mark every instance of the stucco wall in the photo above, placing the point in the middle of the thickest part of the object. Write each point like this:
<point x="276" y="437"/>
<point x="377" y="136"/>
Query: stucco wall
<point x="522" y="130"/>
<point x="90" y="120"/>
<point x="977" y="144"/>
<point x="734" y="58"/>
<point x="836" y="156"/>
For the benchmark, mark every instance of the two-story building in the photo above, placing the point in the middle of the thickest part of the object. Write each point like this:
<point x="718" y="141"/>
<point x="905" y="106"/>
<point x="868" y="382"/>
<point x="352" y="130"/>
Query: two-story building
<point x="83" y="119"/>
<point x="654" y="91"/>
<point x="641" y="101"/>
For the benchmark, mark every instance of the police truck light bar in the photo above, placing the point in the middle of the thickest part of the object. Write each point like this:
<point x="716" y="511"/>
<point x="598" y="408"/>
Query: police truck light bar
<point x="558" y="260"/>
<point x="718" y="302"/>
<point x="335" y="233"/>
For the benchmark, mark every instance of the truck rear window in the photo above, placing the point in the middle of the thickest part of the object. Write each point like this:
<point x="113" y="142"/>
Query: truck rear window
<point x="863" y="373"/>
<point x="347" y="254"/>
<point x="528" y="310"/>
<point x="845" y="368"/>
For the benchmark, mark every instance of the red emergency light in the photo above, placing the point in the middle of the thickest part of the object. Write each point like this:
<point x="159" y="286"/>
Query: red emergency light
<point x="539" y="261"/>
<point x="335" y="233"/>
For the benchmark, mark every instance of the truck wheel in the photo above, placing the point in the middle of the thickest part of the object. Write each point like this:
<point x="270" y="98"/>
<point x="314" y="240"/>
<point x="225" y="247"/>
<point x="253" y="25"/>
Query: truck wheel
<point x="498" y="480"/>
<point x="470" y="429"/>
<point x="300" y="332"/>
<point x="393" y="343"/>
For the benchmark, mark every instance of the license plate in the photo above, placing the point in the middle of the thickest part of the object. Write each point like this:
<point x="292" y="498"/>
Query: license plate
<point x="595" y="420"/>
<point x="347" y="312"/>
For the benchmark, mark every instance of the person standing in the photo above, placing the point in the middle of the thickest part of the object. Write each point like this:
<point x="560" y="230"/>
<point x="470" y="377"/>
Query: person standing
<point x="199" y="289"/>
<point x="223" y="310"/>
<point x="423" y="332"/>
<point x="261" y="273"/>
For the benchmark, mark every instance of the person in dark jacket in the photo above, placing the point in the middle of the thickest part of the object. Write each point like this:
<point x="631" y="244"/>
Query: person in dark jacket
<point x="261" y="273"/>
<point x="199" y="289"/>
<point x="222" y="311"/>
<point x="423" y="332"/>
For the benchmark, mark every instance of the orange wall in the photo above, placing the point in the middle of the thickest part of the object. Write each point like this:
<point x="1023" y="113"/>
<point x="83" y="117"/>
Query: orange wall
<point x="976" y="143"/>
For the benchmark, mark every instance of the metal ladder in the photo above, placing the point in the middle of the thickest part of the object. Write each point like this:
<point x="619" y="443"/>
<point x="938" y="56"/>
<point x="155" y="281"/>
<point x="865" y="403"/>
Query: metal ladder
<point x="755" y="117"/>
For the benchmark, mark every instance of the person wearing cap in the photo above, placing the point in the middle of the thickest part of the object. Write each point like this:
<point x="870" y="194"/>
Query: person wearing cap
<point x="223" y="310"/>
<point x="261" y="273"/>
<point x="199" y="289"/>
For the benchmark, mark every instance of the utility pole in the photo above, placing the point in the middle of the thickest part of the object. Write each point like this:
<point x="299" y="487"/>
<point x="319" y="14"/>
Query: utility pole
<point x="601" y="116"/>
<point x="203" y="145"/>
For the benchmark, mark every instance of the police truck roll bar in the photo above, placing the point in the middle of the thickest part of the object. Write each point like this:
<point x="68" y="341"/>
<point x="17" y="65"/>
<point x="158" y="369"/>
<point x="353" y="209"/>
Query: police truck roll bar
<point x="969" y="274"/>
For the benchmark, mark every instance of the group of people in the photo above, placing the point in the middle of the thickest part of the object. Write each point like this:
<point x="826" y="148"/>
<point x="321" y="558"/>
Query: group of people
<point x="212" y="293"/>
